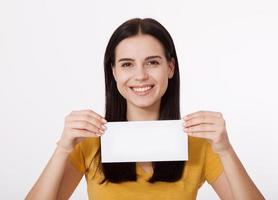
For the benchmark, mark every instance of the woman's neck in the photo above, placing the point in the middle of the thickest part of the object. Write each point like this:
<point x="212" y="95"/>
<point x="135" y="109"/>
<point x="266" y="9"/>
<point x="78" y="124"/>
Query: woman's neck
<point x="142" y="114"/>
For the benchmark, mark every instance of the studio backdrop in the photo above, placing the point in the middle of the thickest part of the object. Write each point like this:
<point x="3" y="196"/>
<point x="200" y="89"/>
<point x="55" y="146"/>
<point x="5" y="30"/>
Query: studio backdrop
<point x="51" y="62"/>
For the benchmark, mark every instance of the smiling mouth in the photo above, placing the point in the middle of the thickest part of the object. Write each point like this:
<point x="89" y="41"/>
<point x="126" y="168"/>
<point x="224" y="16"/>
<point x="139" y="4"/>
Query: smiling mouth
<point x="142" y="90"/>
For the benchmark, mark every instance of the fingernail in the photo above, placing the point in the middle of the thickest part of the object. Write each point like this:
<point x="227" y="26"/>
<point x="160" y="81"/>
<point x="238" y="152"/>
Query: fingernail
<point x="103" y="127"/>
<point x="103" y="120"/>
<point x="101" y="131"/>
<point x="186" y="130"/>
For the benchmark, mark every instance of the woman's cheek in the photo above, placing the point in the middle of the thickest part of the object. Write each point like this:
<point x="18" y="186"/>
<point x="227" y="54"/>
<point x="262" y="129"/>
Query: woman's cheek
<point x="122" y="88"/>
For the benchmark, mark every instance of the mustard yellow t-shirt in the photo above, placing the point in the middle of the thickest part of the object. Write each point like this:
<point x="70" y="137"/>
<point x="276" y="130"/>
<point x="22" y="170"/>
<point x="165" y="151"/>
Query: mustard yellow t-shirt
<point x="203" y="165"/>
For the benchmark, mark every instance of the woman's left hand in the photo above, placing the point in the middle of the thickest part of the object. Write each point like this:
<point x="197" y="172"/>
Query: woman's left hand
<point x="209" y="125"/>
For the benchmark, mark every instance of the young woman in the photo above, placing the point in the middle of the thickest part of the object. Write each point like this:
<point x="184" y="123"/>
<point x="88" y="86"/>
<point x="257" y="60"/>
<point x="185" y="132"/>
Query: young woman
<point x="142" y="83"/>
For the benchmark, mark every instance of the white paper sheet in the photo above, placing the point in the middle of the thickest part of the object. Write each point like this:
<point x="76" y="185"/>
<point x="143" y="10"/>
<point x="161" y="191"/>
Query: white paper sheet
<point x="142" y="141"/>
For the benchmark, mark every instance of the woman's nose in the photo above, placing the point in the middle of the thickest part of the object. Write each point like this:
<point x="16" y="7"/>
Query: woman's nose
<point x="141" y="73"/>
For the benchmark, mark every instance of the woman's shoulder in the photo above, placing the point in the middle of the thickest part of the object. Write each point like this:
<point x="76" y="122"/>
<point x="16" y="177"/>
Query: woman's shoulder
<point x="90" y="145"/>
<point x="197" y="148"/>
<point x="84" y="153"/>
<point x="202" y="160"/>
<point x="196" y="143"/>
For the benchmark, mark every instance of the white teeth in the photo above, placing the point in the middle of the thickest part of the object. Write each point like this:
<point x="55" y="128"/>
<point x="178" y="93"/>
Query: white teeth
<point x="142" y="89"/>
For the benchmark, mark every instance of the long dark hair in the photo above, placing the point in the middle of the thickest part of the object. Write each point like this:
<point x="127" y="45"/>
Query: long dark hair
<point x="116" y="106"/>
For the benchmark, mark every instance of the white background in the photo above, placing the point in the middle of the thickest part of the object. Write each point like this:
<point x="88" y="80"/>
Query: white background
<point x="51" y="55"/>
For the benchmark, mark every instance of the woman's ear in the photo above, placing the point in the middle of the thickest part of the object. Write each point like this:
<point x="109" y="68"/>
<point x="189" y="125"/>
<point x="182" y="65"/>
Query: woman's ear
<point x="171" y="68"/>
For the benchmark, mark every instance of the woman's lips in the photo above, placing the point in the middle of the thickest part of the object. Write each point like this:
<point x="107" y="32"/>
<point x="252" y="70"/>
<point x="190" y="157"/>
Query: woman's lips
<point x="142" y="90"/>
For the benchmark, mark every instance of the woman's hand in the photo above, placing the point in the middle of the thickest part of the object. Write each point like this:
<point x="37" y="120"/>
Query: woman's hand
<point x="209" y="125"/>
<point x="80" y="125"/>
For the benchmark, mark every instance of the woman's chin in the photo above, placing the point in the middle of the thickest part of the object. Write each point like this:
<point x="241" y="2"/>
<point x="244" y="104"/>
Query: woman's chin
<point x="143" y="104"/>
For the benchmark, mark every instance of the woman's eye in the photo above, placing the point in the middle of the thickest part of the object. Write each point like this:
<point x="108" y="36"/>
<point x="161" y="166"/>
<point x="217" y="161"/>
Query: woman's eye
<point x="153" y="62"/>
<point x="126" y="64"/>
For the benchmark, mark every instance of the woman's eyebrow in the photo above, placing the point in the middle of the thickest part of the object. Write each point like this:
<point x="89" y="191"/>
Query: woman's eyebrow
<point x="152" y="57"/>
<point x="125" y="59"/>
<point x="147" y="58"/>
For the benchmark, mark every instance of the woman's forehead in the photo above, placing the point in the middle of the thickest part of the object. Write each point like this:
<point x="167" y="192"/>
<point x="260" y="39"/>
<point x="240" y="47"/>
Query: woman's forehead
<point x="139" y="47"/>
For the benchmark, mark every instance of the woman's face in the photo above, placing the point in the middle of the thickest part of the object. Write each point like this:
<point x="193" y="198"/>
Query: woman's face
<point x="141" y="70"/>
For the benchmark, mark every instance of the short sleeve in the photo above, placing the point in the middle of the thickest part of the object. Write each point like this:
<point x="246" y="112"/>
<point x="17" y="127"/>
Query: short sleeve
<point x="77" y="159"/>
<point x="213" y="165"/>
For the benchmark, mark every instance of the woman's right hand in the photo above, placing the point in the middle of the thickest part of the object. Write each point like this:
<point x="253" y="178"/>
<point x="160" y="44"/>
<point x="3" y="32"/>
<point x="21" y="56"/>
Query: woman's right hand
<point x="80" y="125"/>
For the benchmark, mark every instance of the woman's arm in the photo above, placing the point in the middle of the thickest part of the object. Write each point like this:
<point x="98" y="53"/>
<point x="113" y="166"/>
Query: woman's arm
<point x="59" y="178"/>
<point x="57" y="175"/>
<point x="211" y="126"/>
<point x="222" y="187"/>
<point x="241" y="184"/>
<point x="69" y="182"/>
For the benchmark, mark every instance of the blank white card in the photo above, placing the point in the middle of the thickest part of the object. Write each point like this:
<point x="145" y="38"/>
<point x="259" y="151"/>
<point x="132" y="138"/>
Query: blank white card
<point x="142" y="141"/>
